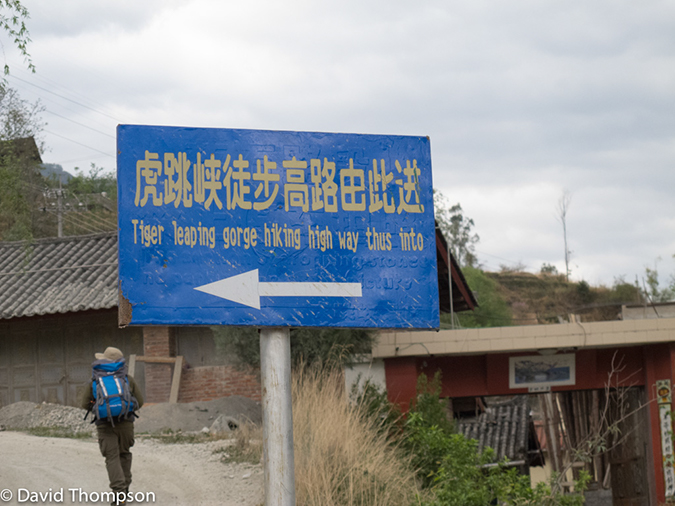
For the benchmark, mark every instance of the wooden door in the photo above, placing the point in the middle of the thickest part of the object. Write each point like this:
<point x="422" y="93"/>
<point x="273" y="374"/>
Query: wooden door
<point x="630" y="480"/>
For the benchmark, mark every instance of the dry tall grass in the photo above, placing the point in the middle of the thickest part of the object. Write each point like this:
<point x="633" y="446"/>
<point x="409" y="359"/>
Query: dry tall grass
<point x="340" y="458"/>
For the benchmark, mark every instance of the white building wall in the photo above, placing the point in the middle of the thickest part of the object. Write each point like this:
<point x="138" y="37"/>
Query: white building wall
<point x="652" y="311"/>
<point x="363" y="370"/>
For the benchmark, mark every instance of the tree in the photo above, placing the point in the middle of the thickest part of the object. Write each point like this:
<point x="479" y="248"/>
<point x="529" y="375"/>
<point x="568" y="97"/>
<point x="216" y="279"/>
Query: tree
<point x="652" y="289"/>
<point x="13" y="16"/>
<point x="19" y="118"/>
<point x="563" y="207"/>
<point x="624" y="292"/>
<point x="590" y="427"/>
<point x="20" y="182"/>
<point x="97" y="181"/>
<point x="457" y="229"/>
<point x="548" y="269"/>
<point x="16" y="119"/>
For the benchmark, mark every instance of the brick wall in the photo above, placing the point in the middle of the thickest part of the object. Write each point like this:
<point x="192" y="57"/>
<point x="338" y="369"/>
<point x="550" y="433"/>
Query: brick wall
<point x="211" y="382"/>
<point x="196" y="384"/>
<point x="158" y="342"/>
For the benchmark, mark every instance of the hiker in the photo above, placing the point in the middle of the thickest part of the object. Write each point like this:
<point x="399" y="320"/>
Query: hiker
<point x="114" y="397"/>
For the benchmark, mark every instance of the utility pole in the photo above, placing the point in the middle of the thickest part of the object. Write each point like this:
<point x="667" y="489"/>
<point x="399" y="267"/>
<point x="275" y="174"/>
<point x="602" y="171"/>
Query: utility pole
<point x="59" y="209"/>
<point x="59" y="194"/>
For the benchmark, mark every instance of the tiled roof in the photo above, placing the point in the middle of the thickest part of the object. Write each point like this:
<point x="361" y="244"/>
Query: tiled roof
<point x="58" y="275"/>
<point x="503" y="427"/>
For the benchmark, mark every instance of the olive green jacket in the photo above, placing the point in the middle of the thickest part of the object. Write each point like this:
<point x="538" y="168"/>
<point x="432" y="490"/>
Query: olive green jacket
<point x="87" y="399"/>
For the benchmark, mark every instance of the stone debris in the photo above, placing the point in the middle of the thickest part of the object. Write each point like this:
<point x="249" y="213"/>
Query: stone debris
<point x="224" y="424"/>
<point x="216" y="416"/>
<point x="29" y="415"/>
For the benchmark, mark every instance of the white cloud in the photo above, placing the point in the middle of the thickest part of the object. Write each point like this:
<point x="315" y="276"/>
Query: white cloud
<point x="521" y="99"/>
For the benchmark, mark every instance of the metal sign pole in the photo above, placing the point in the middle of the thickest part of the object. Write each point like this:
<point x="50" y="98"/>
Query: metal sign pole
<point x="277" y="408"/>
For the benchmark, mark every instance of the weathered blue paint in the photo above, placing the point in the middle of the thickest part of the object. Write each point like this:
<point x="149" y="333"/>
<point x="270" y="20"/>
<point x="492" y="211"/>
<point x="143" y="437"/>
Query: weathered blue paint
<point x="199" y="205"/>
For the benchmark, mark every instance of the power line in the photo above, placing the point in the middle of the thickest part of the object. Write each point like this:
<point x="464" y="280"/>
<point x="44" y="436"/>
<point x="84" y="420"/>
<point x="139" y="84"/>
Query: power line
<point x="81" y="124"/>
<point x="79" y="143"/>
<point x="74" y="160"/>
<point x="499" y="258"/>
<point x="99" y="77"/>
<point x="76" y="102"/>
<point x="66" y="98"/>
<point x="80" y="223"/>
<point x="103" y="222"/>
<point x="57" y="102"/>
<point x="55" y="85"/>
<point x="92" y="219"/>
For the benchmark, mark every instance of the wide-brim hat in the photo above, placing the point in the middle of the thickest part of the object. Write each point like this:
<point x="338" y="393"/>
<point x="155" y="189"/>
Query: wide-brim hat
<point x="111" y="353"/>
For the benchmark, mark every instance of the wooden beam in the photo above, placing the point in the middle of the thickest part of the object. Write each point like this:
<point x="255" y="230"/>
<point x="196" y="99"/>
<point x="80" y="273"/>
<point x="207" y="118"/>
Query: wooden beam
<point x="175" y="383"/>
<point x="132" y="365"/>
<point x="156" y="360"/>
<point x="177" y="370"/>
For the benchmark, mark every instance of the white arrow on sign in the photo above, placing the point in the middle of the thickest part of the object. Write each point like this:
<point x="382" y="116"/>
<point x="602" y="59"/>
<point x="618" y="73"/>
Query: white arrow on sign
<point x="247" y="289"/>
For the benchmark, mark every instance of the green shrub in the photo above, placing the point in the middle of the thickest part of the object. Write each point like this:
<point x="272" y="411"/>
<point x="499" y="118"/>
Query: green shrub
<point x="454" y="473"/>
<point x="373" y="404"/>
<point x="429" y="405"/>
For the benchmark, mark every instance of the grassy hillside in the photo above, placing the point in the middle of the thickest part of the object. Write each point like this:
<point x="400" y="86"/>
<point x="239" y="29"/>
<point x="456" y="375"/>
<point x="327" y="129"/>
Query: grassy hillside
<point x="522" y="298"/>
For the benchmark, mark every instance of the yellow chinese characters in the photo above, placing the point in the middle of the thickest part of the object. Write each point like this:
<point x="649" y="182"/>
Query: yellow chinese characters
<point x="315" y="185"/>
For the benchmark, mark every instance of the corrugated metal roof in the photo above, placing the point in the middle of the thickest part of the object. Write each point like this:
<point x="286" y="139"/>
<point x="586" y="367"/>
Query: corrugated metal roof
<point x="503" y="427"/>
<point x="58" y="275"/>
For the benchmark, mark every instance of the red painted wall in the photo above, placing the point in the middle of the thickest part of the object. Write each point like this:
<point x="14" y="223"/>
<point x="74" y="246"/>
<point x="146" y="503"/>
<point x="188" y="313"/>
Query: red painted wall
<point x="401" y="374"/>
<point x="659" y="361"/>
<point x="476" y="375"/>
<point x="481" y="375"/>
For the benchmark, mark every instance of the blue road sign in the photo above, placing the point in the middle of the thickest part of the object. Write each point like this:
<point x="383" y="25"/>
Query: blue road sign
<point x="265" y="228"/>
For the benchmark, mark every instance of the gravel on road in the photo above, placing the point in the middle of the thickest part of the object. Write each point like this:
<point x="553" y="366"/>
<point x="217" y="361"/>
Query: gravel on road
<point x="177" y="473"/>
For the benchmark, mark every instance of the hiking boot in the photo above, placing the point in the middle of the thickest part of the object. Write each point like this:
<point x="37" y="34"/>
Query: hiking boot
<point x="123" y="501"/>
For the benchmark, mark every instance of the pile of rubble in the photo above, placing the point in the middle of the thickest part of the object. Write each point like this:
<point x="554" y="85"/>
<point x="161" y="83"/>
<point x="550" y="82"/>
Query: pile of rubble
<point x="29" y="415"/>
<point x="218" y="415"/>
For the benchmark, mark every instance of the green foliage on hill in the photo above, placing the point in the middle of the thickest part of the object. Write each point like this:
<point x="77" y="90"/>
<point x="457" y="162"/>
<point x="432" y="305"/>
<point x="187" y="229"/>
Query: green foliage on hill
<point x="30" y="204"/>
<point x="94" y="182"/>
<point x="521" y="298"/>
<point x="549" y="298"/>
<point x="493" y="309"/>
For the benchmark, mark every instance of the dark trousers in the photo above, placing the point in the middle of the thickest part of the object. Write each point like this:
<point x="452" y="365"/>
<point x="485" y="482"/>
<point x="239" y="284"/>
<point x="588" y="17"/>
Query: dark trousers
<point x="114" y="443"/>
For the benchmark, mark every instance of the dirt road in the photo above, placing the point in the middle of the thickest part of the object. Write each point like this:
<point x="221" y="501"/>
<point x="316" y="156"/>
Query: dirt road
<point x="178" y="474"/>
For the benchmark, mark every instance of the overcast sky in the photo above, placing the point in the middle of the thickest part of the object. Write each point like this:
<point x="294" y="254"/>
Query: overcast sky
<point x="522" y="100"/>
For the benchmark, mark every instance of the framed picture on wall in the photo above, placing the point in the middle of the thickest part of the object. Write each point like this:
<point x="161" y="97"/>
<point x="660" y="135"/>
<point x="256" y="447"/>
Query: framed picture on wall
<point x="542" y="371"/>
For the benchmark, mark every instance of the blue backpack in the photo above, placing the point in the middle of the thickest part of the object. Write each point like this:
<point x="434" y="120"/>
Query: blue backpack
<point x="112" y="396"/>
